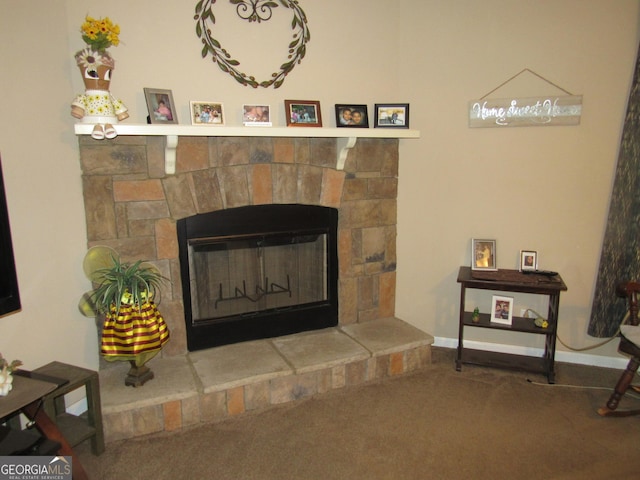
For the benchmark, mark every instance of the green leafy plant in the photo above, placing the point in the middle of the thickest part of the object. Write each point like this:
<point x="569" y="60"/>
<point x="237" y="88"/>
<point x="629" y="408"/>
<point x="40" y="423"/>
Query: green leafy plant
<point x="121" y="284"/>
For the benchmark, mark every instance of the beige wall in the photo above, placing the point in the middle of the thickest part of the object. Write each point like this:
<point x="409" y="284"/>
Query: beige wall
<point x="544" y="189"/>
<point x="536" y="188"/>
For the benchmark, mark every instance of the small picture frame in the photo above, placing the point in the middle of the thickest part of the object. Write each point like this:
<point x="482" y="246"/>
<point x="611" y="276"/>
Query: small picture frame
<point x="528" y="260"/>
<point x="483" y="254"/>
<point x="502" y="309"/>
<point x="207" y="113"/>
<point x="352" y="116"/>
<point x="254" y="115"/>
<point x="303" y="113"/>
<point x="391" y="115"/>
<point x="160" y="104"/>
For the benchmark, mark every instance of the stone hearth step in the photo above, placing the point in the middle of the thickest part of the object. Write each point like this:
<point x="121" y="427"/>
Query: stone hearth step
<point x="217" y="383"/>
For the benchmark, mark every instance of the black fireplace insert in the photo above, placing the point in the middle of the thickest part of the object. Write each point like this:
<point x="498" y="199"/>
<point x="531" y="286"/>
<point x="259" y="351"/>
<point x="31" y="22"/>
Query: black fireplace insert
<point x="258" y="272"/>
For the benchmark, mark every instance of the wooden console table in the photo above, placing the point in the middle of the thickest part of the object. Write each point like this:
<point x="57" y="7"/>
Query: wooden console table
<point x="27" y="397"/>
<point x="511" y="281"/>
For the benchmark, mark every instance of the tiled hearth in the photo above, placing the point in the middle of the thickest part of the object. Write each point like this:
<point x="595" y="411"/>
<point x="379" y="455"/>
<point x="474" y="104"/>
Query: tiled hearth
<point x="246" y="378"/>
<point x="132" y="205"/>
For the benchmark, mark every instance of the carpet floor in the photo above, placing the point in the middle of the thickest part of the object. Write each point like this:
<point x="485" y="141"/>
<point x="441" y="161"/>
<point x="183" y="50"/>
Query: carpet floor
<point x="479" y="423"/>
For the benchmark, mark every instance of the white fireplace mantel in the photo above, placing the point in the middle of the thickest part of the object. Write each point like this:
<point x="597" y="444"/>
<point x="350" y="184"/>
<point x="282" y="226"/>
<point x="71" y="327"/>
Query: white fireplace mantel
<point x="346" y="137"/>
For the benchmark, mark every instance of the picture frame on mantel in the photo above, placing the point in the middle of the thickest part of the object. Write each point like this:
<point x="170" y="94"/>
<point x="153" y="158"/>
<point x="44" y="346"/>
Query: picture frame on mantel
<point x="391" y="115"/>
<point x="352" y="116"/>
<point x="160" y="105"/>
<point x="207" y="113"/>
<point x="256" y="115"/>
<point x="483" y="254"/>
<point x="303" y="113"/>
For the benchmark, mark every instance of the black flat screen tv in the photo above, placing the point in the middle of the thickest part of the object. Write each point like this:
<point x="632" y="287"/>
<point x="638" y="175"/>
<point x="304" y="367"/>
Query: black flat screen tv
<point x="9" y="294"/>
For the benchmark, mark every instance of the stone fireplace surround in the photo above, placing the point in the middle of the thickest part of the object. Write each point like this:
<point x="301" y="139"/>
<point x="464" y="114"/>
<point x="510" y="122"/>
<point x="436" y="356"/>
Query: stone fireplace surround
<point x="132" y="205"/>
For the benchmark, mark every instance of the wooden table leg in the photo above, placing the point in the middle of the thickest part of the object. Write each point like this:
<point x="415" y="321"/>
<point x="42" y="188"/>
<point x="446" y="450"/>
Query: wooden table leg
<point x="46" y="427"/>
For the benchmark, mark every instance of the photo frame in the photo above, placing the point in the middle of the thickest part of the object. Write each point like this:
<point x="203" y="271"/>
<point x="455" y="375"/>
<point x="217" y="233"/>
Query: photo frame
<point x="391" y="115"/>
<point x="352" y="116"/>
<point x="528" y="260"/>
<point x="502" y="309"/>
<point x="483" y="254"/>
<point x="160" y="105"/>
<point x="207" y="113"/>
<point x="303" y="113"/>
<point x="256" y="115"/>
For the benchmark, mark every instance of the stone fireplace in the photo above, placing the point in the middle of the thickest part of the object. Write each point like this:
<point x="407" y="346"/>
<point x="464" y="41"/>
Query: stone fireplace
<point x="133" y="206"/>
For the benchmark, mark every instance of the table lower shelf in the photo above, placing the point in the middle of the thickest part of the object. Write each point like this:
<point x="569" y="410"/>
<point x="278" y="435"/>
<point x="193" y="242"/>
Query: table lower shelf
<point x="507" y="360"/>
<point x="75" y="429"/>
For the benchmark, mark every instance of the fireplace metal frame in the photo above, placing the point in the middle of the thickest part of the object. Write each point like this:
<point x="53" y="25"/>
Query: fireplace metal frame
<point x="256" y="220"/>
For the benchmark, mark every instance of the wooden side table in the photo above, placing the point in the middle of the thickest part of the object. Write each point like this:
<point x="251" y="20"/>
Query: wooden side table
<point x="76" y="429"/>
<point x="510" y="281"/>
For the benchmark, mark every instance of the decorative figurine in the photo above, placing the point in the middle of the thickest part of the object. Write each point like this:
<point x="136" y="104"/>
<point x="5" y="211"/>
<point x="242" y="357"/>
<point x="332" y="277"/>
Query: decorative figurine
<point x="96" y="105"/>
<point x="475" y="317"/>
<point x="541" y="322"/>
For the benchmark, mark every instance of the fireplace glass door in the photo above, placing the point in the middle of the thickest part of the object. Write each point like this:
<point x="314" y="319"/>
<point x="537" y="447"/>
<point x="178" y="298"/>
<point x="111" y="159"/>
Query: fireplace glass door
<point x="246" y="275"/>
<point x="258" y="272"/>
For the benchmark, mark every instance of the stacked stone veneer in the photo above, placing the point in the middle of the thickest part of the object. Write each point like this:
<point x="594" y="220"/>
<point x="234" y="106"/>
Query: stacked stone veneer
<point x="132" y="205"/>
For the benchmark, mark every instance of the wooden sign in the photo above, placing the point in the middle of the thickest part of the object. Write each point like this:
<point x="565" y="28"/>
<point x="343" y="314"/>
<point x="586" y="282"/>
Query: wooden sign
<point x="526" y="112"/>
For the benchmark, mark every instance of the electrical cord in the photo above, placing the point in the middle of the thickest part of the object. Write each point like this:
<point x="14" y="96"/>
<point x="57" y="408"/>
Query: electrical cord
<point x="584" y="387"/>
<point x="582" y="349"/>
<point x="31" y="421"/>
<point x="589" y="347"/>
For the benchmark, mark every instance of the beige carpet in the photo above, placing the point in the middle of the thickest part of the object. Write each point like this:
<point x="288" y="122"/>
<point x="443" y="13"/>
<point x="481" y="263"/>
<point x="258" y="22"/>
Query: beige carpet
<point x="480" y="423"/>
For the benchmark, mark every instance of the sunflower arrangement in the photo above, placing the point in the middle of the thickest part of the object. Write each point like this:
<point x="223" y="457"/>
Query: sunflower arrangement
<point x="100" y="34"/>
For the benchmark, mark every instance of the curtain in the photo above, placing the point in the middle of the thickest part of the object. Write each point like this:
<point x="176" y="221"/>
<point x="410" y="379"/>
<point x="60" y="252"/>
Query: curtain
<point x="620" y="258"/>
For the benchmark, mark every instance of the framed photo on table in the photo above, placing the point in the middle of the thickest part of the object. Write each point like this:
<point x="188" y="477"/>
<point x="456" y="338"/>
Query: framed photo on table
<point x="160" y="105"/>
<point x="352" y="116"/>
<point x="528" y="260"/>
<point x="502" y="309"/>
<point x="483" y="254"/>
<point x="303" y="113"/>
<point x="391" y="115"/>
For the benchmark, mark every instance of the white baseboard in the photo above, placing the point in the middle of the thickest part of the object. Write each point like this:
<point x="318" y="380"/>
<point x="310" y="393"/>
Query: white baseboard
<point x="561" y="355"/>
<point x="78" y="407"/>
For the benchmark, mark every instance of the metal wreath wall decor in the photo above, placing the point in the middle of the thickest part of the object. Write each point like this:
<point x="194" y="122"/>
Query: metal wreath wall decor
<point x="252" y="11"/>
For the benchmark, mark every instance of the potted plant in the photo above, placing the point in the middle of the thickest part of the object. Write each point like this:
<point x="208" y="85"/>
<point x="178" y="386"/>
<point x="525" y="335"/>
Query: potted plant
<point x="123" y="299"/>
<point x="6" y="375"/>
